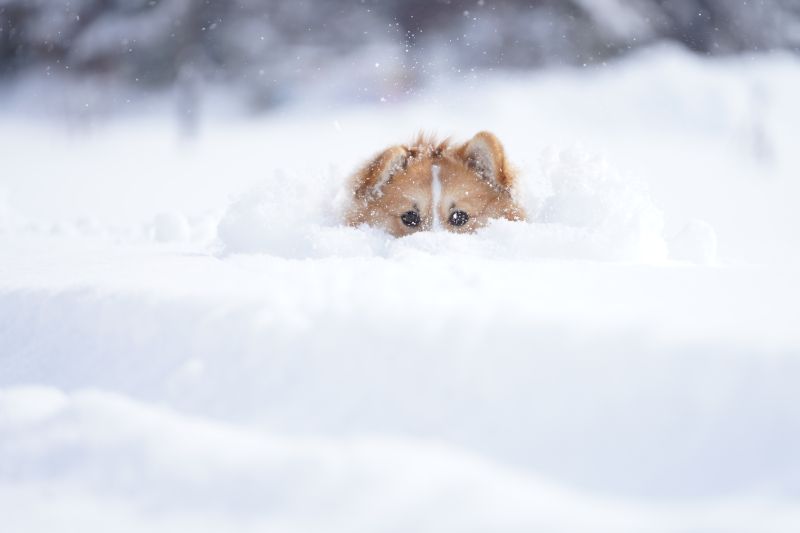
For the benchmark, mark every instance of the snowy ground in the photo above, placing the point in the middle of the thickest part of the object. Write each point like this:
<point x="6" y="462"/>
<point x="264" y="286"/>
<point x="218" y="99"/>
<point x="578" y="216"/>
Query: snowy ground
<point x="189" y="341"/>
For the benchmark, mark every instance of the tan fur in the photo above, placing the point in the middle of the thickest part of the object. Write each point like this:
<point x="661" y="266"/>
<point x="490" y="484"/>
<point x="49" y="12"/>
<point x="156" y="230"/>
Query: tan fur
<point x="475" y="178"/>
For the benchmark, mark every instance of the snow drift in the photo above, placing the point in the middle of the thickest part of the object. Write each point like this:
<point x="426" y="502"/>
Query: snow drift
<point x="586" y="210"/>
<point x="190" y="340"/>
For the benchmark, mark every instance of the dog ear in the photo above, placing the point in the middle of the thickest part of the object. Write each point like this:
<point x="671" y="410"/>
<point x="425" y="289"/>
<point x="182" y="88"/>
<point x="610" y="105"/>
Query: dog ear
<point x="378" y="172"/>
<point x="485" y="156"/>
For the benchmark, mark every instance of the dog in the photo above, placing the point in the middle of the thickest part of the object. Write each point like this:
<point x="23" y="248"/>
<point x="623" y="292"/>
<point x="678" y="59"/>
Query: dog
<point x="430" y="185"/>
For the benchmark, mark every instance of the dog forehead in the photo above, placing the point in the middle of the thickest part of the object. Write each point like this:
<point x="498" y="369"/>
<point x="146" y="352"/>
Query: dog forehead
<point x="408" y="188"/>
<point x="417" y="172"/>
<point x="453" y="172"/>
<point x="427" y="181"/>
<point x="419" y="167"/>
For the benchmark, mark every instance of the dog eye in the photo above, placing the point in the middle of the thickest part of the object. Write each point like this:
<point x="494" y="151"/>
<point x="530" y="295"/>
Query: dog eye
<point x="410" y="219"/>
<point x="458" y="218"/>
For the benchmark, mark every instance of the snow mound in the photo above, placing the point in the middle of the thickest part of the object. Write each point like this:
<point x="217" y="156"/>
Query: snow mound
<point x="94" y="460"/>
<point x="281" y="217"/>
<point x="171" y="226"/>
<point x="599" y="213"/>
<point x="586" y="210"/>
<point x="6" y="215"/>
<point x="696" y="242"/>
<point x="144" y="457"/>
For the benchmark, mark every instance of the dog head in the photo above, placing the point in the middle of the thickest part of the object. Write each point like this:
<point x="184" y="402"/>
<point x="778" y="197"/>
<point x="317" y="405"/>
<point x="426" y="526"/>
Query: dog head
<point x="429" y="185"/>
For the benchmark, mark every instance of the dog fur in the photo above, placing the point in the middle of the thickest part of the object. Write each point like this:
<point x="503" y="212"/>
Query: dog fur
<point x="470" y="184"/>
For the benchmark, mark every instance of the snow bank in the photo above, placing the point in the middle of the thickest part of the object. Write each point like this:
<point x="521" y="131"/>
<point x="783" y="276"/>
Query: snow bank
<point x="159" y="466"/>
<point x="171" y="226"/>
<point x="93" y="460"/>
<point x="697" y="242"/>
<point x="281" y="216"/>
<point x="189" y="340"/>
<point x="587" y="211"/>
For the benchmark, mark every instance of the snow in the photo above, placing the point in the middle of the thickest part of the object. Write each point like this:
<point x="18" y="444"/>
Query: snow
<point x="103" y="445"/>
<point x="697" y="242"/>
<point x="171" y="227"/>
<point x="190" y="340"/>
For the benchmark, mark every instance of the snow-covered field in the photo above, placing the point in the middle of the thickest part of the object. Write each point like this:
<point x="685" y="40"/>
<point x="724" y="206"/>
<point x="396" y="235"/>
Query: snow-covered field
<point x="190" y="341"/>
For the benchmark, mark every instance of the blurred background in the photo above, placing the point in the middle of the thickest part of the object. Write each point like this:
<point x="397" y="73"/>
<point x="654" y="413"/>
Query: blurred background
<point x="105" y="54"/>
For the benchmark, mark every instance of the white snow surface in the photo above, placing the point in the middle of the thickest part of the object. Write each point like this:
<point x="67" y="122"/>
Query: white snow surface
<point x="189" y="339"/>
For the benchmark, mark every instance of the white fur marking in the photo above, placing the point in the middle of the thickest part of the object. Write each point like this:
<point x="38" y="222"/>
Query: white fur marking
<point x="436" y="197"/>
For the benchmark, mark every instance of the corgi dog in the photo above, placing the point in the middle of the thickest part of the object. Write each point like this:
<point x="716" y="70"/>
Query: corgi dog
<point x="429" y="185"/>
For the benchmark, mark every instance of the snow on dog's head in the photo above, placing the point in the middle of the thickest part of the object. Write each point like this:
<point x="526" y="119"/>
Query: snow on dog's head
<point x="430" y="184"/>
